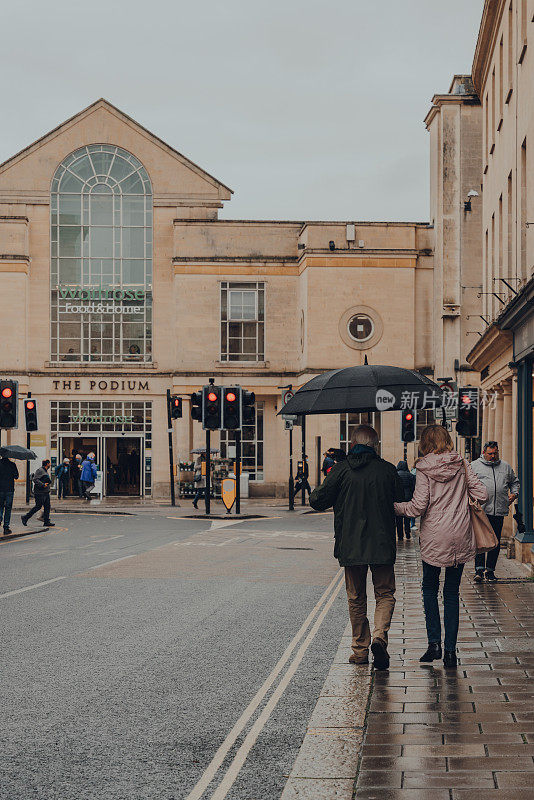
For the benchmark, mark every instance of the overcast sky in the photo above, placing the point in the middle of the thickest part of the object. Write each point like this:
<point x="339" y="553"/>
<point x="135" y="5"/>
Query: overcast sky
<point x="307" y="109"/>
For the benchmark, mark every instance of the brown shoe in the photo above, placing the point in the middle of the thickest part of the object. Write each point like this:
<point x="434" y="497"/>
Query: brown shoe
<point x="380" y="654"/>
<point x="358" y="659"/>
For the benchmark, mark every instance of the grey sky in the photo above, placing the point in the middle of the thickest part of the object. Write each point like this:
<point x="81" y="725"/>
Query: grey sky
<point x="307" y="109"/>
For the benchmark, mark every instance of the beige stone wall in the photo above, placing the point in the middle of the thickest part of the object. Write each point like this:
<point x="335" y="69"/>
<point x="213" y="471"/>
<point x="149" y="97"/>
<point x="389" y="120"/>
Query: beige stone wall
<point x="384" y="267"/>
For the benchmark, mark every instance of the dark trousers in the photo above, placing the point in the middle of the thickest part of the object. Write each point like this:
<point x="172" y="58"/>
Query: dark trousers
<point x="403" y="526"/>
<point x="6" y="504"/>
<point x="302" y="486"/>
<point x="489" y="560"/>
<point x="451" y="603"/>
<point x="41" y="501"/>
<point x="62" y="487"/>
<point x="199" y="493"/>
<point x="86" y="489"/>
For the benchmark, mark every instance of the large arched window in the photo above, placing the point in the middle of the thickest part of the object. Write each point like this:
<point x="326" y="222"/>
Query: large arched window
<point x="101" y="257"/>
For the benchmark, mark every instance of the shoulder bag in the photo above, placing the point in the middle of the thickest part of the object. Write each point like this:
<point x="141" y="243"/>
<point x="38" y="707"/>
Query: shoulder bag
<point x="483" y="533"/>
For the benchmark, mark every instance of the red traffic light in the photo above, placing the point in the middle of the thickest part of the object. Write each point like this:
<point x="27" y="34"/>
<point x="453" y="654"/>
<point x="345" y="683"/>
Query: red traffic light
<point x="7" y="392"/>
<point x="466" y="400"/>
<point x="408" y="417"/>
<point x="176" y="401"/>
<point x="230" y="397"/>
<point x="212" y="397"/>
<point x="30" y="405"/>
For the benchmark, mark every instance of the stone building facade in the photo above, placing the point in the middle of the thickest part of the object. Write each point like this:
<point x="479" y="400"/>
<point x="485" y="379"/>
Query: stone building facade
<point x="120" y="281"/>
<point x="498" y="246"/>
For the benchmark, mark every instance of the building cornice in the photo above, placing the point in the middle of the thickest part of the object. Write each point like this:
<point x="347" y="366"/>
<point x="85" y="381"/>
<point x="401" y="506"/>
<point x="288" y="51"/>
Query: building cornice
<point x="518" y="308"/>
<point x="487" y="34"/>
<point x="440" y="100"/>
<point x="492" y="344"/>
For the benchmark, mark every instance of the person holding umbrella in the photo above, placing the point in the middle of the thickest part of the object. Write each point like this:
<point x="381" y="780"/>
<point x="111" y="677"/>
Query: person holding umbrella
<point x="362" y="489"/>
<point x="8" y="475"/>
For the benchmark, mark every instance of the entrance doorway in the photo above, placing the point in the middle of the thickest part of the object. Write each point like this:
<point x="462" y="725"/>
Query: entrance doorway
<point x="70" y="446"/>
<point x="123" y="465"/>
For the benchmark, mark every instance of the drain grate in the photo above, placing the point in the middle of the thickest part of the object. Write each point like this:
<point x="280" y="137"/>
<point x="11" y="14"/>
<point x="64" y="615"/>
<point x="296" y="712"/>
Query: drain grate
<point x="294" y="548"/>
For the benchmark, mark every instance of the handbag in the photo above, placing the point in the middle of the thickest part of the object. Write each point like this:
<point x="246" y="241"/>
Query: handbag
<point x="483" y="533"/>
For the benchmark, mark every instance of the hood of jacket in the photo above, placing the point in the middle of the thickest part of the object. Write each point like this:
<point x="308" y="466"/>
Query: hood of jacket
<point x="402" y="466"/>
<point x="360" y="456"/>
<point x="489" y="463"/>
<point x="441" y="467"/>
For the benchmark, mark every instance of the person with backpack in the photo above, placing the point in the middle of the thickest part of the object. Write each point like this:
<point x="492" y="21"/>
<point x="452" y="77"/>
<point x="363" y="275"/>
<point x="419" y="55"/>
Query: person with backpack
<point x="408" y="485"/>
<point x="88" y="475"/>
<point x="443" y="486"/>
<point x="62" y="477"/>
<point x="41" y="493"/>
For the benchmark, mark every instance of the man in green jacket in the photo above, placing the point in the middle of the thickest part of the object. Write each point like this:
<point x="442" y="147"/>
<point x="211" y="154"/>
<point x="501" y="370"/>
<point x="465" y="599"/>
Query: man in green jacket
<point x="362" y="490"/>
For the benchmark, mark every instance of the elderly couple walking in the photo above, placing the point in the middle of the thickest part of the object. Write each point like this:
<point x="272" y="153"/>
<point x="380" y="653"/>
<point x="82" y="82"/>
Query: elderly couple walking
<point x="366" y="494"/>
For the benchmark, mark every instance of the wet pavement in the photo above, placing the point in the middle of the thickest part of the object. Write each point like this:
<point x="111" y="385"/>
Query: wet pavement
<point x="436" y="734"/>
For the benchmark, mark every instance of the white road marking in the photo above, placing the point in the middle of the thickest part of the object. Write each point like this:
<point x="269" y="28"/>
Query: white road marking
<point x="34" y="586"/>
<point x="250" y="739"/>
<point x="213" y="767"/>
<point x="113" y="561"/>
<point x="223" y="523"/>
<point x="109" y="538"/>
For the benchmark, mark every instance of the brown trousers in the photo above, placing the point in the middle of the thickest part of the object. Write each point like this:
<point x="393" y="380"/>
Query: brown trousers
<point x="384" y="585"/>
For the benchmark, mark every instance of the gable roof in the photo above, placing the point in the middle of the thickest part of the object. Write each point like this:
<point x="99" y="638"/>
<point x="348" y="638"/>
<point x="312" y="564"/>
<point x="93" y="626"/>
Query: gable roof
<point x="103" y="103"/>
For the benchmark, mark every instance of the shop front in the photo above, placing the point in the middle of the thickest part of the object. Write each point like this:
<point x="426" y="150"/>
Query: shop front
<point x="519" y="319"/>
<point x="118" y="432"/>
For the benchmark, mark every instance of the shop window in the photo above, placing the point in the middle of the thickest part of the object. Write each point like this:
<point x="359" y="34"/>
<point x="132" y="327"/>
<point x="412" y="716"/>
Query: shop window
<point x="242" y="321"/>
<point x="101" y="258"/>
<point x="347" y="423"/>
<point x="251" y="444"/>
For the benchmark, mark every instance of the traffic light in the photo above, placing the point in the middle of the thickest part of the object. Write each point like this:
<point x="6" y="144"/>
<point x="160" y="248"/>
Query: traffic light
<point x="408" y="425"/>
<point x="467" y="424"/>
<point x="248" y="400"/>
<point x="175" y="406"/>
<point x="8" y="403"/>
<point x="211" y="408"/>
<point x="231" y="408"/>
<point x="196" y="406"/>
<point x="30" y="414"/>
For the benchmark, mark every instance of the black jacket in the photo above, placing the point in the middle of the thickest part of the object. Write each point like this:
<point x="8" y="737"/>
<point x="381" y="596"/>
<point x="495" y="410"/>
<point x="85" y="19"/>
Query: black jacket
<point x="407" y="479"/>
<point x="41" y="481"/>
<point x="362" y="490"/>
<point x="8" y="475"/>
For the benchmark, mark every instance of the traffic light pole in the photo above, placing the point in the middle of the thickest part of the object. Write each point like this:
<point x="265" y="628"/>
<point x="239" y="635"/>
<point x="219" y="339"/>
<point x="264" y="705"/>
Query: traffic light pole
<point x="208" y="471"/>
<point x="291" y="481"/>
<point x="405" y="457"/>
<point x="171" y="455"/>
<point x="238" y="472"/>
<point x="304" y="478"/>
<point x="28" y="464"/>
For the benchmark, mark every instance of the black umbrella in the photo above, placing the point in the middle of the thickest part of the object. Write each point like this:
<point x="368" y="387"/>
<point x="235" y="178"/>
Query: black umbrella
<point x="17" y="452"/>
<point x="365" y="388"/>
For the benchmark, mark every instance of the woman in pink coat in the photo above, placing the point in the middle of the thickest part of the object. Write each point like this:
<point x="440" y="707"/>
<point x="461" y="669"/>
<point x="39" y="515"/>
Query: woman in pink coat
<point x="446" y="537"/>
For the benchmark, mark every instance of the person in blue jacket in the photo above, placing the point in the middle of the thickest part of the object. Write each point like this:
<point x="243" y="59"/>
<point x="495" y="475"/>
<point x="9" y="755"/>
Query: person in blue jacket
<point x="88" y="476"/>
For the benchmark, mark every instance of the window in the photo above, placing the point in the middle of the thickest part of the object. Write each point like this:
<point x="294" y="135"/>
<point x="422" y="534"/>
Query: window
<point x="101" y="257"/>
<point x="424" y="417"/>
<point x="361" y="327"/>
<point x="242" y="321"/>
<point x="251" y="444"/>
<point x="347" y="423"/>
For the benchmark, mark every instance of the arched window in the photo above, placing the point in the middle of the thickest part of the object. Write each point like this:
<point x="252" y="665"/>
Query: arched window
<point x="101" y="257"/>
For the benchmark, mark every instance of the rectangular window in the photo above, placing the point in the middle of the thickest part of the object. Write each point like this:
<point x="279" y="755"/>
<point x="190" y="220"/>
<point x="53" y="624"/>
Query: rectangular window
<point x="242" y="321"/>
<point x="500" y="271"/>
<point x="425" y="417"/>
<point x="510" y="76"/>
<point x="252" y="438"/>
<point x="347" y="423"/>
<point x="509" y="219"/>
<point x="492" y="287"/>
<point x="501" y="79"/>
<point x="486" y="129"/>
<point x="492" y="138"/>
<point x="523" y="210"/>
<point x="486" y="274"/>
<point x="523" y="41"/>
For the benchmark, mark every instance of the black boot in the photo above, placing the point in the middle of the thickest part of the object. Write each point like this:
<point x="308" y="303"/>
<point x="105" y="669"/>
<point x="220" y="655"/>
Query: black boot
<point x="449" y="659"/>
<point x="433" y="652"/>
<point x="479" y="576"/>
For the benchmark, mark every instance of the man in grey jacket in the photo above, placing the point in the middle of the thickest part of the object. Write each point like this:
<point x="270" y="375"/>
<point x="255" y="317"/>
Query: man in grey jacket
<point x="503" y="488"/>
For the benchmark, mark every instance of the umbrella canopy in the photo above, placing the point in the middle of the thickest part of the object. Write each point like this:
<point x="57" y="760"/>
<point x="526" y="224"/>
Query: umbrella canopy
<point x="15" y="451"/>
<point x="200" y="450"/>
<point x="365" y="388"/>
